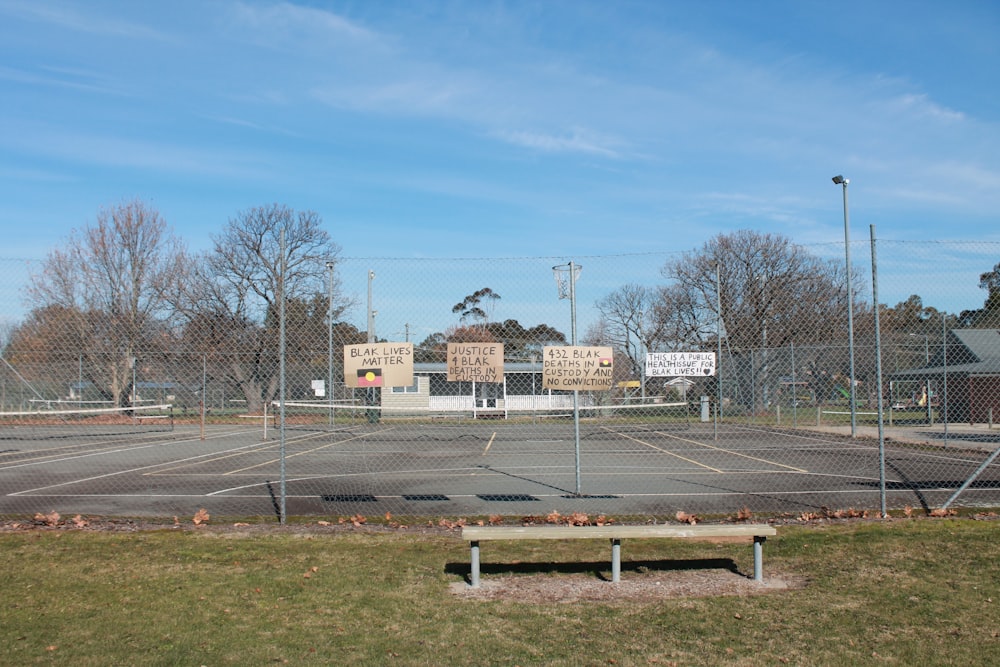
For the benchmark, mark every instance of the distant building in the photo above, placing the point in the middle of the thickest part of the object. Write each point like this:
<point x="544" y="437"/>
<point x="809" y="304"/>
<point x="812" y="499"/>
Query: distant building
<point x="964" y="375"/>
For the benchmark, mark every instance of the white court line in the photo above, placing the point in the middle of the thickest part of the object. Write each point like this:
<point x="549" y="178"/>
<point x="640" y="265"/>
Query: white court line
<point x="706" y="446"/>
<point x="308" y="451"/>
<point x="113" y="447"/>
<point x="121" y="472"/>
<point x="258" y="447"/>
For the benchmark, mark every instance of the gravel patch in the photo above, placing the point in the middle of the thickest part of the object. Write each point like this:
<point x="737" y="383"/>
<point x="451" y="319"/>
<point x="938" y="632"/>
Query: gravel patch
<point x="649" y="586"/>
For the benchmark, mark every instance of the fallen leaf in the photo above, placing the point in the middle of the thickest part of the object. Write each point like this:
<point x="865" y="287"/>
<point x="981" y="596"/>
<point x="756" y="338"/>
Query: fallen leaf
<point x="939" y="512"/>
<point x="200" y="517"/>
<point x="684" y="517"/>
<point x="50" y="519"/>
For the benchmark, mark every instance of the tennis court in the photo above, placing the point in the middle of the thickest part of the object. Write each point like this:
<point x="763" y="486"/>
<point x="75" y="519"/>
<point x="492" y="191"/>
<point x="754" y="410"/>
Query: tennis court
<point x="473" y="468"/>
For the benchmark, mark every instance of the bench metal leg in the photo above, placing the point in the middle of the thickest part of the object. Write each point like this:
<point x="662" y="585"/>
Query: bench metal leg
<point x="474" y="578"/>
<point x="758" y="557"/>
<point x="616" y="560"/>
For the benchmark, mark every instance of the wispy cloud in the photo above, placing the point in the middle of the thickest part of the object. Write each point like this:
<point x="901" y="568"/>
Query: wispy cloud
<point x="577" y="141"/>
<point x="79" y="80"/>
<point x="287" y="25"/>
<point x="921" y="105"/>
<point x="66" y="16"/>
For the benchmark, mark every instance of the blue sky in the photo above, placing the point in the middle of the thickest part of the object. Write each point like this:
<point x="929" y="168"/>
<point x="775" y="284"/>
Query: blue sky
<point x="490" y="129"/>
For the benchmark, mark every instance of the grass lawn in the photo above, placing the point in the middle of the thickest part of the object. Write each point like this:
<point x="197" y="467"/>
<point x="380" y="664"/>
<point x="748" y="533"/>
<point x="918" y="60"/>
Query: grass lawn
<point x="897" y="592"/>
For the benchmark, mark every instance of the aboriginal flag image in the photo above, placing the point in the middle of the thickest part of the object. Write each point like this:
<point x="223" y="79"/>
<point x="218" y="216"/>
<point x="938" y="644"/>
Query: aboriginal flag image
<point x="369" y="377"/>
<point x="604" y="362"/>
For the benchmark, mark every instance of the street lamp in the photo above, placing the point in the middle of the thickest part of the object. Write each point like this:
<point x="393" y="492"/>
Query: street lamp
<point x="840" y="180"/>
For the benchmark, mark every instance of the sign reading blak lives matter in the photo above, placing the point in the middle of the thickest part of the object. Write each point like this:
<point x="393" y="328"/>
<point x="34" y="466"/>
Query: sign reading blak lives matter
<point x="574" y="367"/>
<point x="378" y="365"/>
<point x="686" y="364"/>
<point x="475" y="362"/>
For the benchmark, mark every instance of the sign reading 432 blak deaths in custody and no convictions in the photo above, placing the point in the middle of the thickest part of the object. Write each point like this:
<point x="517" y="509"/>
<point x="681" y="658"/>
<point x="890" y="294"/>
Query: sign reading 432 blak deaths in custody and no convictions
<point x="687" y="364"/>
<point x="378" y="365"/>
<point x="574" y="367"/>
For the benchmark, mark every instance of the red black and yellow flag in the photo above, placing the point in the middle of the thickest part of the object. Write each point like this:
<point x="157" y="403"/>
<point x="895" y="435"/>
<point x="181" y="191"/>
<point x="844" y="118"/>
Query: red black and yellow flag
<point x="369" y="377"/>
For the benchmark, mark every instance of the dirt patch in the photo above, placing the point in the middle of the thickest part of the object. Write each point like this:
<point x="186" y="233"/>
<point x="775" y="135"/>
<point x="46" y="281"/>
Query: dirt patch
<point x="635" y="587"/>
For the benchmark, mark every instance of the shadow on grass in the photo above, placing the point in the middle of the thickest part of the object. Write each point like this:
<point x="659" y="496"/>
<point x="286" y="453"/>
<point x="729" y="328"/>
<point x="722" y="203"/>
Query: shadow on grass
<point x="601" y="570"/>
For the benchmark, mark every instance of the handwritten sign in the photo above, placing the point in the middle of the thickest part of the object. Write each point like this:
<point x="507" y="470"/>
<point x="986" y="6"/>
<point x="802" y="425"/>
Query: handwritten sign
<point x="378" y="365"/>
<point x="574" y="367"/>
<point x="686" y="364"/>
<point x="475" y="362"/>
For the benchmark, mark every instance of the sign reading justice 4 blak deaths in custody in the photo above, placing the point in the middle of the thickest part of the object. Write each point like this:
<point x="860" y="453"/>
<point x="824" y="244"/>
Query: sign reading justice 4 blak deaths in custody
<point x="685" y="364"/>
<point x="378" y="365"/>
<point x="475" y="362"/>
<point x="574" y="367"/>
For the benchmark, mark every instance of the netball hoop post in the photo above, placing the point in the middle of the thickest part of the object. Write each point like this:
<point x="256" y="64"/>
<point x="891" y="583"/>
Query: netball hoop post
<point x="566" y="275"/>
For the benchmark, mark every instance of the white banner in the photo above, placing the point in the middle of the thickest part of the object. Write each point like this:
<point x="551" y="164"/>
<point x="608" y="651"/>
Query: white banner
<point x="686" y="364"/>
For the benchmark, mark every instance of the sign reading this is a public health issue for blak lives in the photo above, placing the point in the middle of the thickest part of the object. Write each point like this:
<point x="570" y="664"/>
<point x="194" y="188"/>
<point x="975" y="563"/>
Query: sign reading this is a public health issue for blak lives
<point x="378" y="365"/>
<point x="687" y="364"/>
<point x="475" y="362"/>
<point x="573" y="367"/>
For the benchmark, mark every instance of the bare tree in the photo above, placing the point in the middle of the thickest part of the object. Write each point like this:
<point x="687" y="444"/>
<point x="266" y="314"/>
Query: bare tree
<point x="628" y="321"/>
<point x="110" y="284"/>
<point x="769" y="292"/>
<point x="232" y="304"/>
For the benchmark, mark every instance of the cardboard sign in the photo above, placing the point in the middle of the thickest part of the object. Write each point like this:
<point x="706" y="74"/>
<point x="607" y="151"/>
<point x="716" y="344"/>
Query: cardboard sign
<point x="475" y="362"/>
<point x="575" y="367"/>
<point x="685" y="364"/>
<point x="378" y="365"/>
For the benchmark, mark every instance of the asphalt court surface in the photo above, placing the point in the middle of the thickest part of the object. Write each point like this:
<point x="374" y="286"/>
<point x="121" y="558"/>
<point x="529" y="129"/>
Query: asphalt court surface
<point x="478" y="468"/>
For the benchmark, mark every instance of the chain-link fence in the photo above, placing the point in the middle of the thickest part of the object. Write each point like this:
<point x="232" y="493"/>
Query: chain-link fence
<point x="433" y="387"/>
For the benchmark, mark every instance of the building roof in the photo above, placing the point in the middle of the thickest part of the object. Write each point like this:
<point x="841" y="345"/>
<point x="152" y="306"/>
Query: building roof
<point x="970" y="351"/>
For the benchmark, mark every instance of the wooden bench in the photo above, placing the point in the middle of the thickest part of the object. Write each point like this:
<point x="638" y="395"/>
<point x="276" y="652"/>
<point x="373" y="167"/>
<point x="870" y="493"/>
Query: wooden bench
<point x="477" y="534"/>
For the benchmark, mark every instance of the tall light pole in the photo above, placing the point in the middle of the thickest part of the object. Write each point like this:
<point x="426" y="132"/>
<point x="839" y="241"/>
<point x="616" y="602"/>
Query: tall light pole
<point x="840" y="180"/>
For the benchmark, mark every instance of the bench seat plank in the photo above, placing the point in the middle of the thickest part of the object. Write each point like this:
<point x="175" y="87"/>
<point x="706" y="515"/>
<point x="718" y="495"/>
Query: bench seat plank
<point x="482" y="533"/>
<point x="477" y="534"/>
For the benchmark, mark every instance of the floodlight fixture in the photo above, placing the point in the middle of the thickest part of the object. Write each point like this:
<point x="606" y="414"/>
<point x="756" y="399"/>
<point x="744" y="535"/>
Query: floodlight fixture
<point x="840" y="180"/>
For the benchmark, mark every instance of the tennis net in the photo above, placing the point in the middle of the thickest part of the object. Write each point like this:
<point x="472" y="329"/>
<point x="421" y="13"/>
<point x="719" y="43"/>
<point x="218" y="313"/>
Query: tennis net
<point x="55" y="422"/>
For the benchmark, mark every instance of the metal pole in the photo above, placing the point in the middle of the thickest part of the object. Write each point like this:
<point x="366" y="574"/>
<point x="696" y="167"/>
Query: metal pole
<point x="281" y="372"/>
<point x="370" y="392"/>
<point x="944" y="373"/>
<point x="371" y="313"/>
<point x="878" y="377"/>
<point x="840" y="180"/>
<point x="204" y="391"/>
<point x="795" y="392"/>
<point x="718" y="335"/>
<point x="329" y="340"/>
<point x="576" y="392"/>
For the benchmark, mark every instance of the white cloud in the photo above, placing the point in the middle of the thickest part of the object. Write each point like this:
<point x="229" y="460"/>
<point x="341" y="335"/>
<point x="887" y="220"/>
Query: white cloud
<point x="575" y="142"/>
<point x="64" y="15"/>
